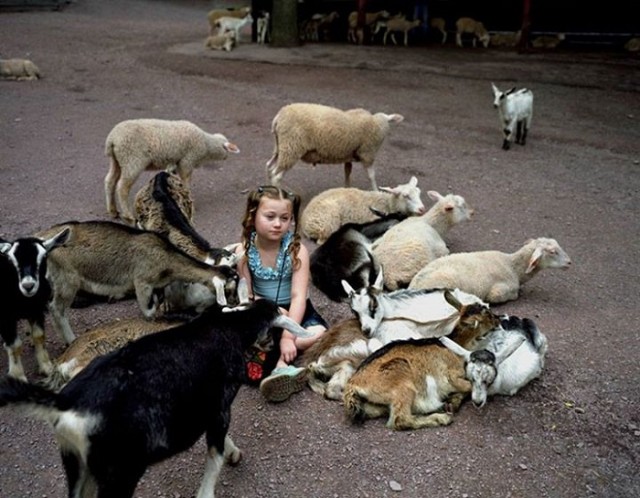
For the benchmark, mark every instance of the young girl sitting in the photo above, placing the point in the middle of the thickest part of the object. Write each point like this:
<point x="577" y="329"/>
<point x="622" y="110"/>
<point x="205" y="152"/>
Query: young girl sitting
<point x="276" y="266"/>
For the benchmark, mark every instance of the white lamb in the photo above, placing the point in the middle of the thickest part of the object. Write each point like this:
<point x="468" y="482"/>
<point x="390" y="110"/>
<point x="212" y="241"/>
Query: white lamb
<point x="225" y="41"/>
<point x="216" y="14"/>
<point x="320" y="134"/>
<point x="493" y="276"/>
<point x="19" y="69"/>
<point x="476" y="28"/>
<point x="335" y="207"/>
<point x="152" y="144"/>
<point x="408" y="246"/>
<point x="515" y="111"/>
<point x="234" y="24"/>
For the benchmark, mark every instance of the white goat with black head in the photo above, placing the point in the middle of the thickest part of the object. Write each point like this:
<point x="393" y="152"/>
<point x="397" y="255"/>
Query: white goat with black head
<point x="515" y="110"/>
<point x="508" y="358"/>
<point x="24" y="294"/>
<point x="152" y="399"/>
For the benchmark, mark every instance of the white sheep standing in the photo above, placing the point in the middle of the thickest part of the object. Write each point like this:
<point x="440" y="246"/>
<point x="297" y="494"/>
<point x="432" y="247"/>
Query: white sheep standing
<point x="333" y="208"/>
<point x="476" y="28"/>
<point x="493" y="276"/>
<point x="19" y="69"/>
<point x="136" y="145"/>
<point x="515" y="111"/>
<point x="320" y="134"/>
<point x="400" y="25"/>
<point x="408" y="246"/>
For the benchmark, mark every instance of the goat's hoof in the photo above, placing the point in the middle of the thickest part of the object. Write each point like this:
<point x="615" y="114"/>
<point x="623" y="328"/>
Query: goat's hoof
<point x="234" y="457"/>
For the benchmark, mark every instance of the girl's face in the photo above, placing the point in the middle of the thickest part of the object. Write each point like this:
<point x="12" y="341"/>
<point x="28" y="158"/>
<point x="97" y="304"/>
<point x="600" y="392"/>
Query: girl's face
<point x="273" y="218"/>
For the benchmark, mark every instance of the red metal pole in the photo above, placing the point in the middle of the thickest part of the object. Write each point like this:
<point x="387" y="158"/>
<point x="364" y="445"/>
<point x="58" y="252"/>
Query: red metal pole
<point x="525" y="30"/>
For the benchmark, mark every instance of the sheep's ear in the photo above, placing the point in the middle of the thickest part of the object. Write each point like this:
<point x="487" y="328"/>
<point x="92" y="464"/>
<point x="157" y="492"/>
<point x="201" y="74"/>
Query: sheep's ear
<point x="452" y="300"/>
<point x="433" y="195"/>
<point x="413" y="182"/>
<point x="509" y="350"/>
<point x="229" y="147"/>
<point x="395" y="118"/>
<point x="535" y="260"/>
<point x="454" y="347"/>
<point x="57" y="240"/>
<point x="388" y="190"/>
<point x="347" y="288"/>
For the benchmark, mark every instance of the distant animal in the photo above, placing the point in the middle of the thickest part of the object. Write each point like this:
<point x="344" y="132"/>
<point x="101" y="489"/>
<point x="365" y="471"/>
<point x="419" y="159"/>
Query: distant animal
<point x="515" y="111"/>
<point x="262" y="26"/>
<point x="136" y="145"/>
<point x="24" y="294"/>
<point x="548" y="41"/>
<point x="467" y="25"/>
<point x="215" y="14"/>
<point x="400" y="25"/>
<point x="632" y="45"/>
<point x="225" y="41"/>
<point x="225" y="24"/>
<point x="319" y="134"/>
<point x="439" y="24"/>
<point x="152" y="399"/>
<point x="19" y="69"/>
<point x="369" y="20"/>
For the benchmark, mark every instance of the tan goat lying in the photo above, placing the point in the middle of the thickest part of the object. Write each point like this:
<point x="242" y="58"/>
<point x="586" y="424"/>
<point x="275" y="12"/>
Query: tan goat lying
<point x="412" y="380"/>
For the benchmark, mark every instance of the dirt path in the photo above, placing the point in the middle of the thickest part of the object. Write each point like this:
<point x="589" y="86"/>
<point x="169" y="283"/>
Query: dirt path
<point x="575" y="432"/>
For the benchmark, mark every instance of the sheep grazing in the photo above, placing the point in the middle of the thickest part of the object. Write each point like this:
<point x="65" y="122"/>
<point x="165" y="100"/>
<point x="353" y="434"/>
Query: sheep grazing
<point x="353" y="34"/>
<point x="216" y="14"/>
<point x="333" y="208"/>
<point x="493" y="276"/>
<point x="225" y="24"/>
<point x="515" y="111"/>
<point x="319" y="134"/>
<point x="19" y="69"/>
<point x="24" y="294"/>
<point x="400" y="25"/>
<point x="516" y="350"/>
<point x="333" y="359"/>
<point x="225" y="41"/>
<point x="152" y="399"/>
<point x="262" y="27"/>
<point x="407" y="313"/>
<point x="467" y="25"/>
<point x="412" y="380"/>
<point x="346" y="255"/>
<point x="100" y="341"/>
<point x="407" y="247"/>
<point x="439" y="24"/>
<point x="548" y="41"/>
<point x="136" y="145"/>
<point x="110" y="259"/>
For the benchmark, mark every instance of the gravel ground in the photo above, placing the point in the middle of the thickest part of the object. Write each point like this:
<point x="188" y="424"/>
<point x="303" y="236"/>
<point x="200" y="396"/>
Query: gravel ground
<point x="574" y="432"/>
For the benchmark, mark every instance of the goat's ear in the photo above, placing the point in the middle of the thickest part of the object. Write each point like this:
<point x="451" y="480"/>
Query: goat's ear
<point x="452" y="300"/>
<point x="534" y="260"/>
<point x="57" y="240"/>
<point x="379" y="283"/>
<point x="511" y="90"/>
<point x="509" y="350"/>
<point x="495" y="89"/>
<point x="347" y="288"/>
<point x="454" y="347"/>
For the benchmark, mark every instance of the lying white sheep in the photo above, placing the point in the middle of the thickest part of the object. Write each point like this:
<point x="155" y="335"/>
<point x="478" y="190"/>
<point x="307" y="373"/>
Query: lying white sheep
<point x="319" y="134"/>
<point x="476" y="28"/>
<point x="136" y="145"/>
<point x="515" y="111"/>
<point x="335" y="207"/>
<point x="493" y="276"/>
<point x="225" y="41"/>
<point x="19" y="69"/>
<point x="408" y="246"/>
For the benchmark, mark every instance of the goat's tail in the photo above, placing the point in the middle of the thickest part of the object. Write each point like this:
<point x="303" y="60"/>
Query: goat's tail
<point x="31" y="396"/>
<point x="353" y="405"/>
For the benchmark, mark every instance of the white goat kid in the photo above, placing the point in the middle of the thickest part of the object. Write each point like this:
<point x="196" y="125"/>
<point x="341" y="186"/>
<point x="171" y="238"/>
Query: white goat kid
<point x="515" y="110"/>
<point x="225" y="24"/>
<point x="405" y="313"/>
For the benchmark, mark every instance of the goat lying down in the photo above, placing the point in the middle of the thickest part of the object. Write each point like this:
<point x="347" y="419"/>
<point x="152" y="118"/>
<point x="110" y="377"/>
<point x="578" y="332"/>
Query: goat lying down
<point x="152" y="399"/>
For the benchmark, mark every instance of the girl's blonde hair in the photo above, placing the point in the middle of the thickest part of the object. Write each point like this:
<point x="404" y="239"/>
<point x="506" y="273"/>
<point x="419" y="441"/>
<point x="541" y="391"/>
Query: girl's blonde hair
<point x="249" y="220"/>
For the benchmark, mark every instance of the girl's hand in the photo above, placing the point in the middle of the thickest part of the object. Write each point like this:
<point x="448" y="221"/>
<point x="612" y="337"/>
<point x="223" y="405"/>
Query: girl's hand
<point x="288" y="350"/>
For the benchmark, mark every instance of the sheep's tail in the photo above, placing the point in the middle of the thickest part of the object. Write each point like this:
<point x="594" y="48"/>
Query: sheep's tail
<point x="40" y="400"/>
<point x="353" y="405"/>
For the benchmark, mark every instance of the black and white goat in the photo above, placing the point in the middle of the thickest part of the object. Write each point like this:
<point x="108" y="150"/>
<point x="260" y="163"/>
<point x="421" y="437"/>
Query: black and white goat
<point x="512" y="356"/>
<point x="152" y="399"/>
<point x="24" y="294"/>
<point x="346" y="255"/>
<point x="515" y="110"/>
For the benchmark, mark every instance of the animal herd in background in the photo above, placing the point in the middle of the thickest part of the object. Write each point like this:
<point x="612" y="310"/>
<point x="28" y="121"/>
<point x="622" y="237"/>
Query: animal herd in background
<point x="424" y="336"/>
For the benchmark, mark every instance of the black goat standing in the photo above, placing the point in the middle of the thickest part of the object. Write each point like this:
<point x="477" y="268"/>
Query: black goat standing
<point x="152" y="399"/>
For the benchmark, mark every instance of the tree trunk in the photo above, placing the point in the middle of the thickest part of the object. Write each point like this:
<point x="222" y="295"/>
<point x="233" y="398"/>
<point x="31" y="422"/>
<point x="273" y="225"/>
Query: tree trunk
<point x="284" y="32"/>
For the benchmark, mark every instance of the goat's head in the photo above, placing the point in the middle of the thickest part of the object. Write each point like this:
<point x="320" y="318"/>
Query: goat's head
<point x="28" y="257"/>
<point x="474" y="319"/>
<point x="364" y="303"/>
<point x="481" y="367"/>
<point x="407" y="197"/>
